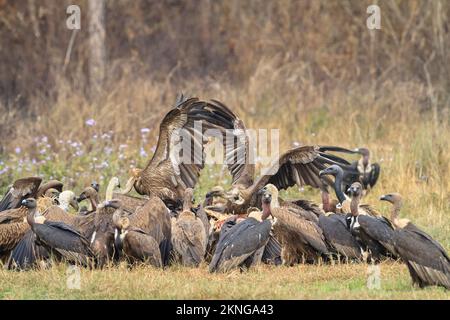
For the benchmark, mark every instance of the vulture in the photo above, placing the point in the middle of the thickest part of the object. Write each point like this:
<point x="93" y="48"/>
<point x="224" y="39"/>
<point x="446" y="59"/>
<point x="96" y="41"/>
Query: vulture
<point x="21" y="189"/>
<point x="339" y="237"/>
<point x="299" y="166"/>
<point x="374" y="234"/>
<point x="240" y="244"/>
<point x="344" y="201"/>
<point x="184" y="128"/>
<point x="136" y="244"/>
<point x="427" y="261"/>
<point x="58" y="238"/>
<point x="301" y="240"/>
<point x="153" y="218"/>
<point x="91" y="194"/>
<point x="12" y="228"/>
<point x="27" y="252"/>
<point x="188" y="234"/>
<point x="362" y="170"/>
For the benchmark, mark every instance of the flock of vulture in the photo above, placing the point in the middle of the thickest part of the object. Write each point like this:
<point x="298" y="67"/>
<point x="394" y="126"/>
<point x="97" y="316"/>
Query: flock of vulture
<point x="231" y="229"/>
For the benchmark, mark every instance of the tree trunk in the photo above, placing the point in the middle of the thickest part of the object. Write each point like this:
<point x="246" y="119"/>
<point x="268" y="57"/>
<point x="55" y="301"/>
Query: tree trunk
<point x="96" y="45"/>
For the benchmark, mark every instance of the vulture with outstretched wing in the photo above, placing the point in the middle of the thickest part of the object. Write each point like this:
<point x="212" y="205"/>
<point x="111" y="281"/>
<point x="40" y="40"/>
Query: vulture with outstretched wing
<point x="20" y="190"/>
<point x="179" y="155"/>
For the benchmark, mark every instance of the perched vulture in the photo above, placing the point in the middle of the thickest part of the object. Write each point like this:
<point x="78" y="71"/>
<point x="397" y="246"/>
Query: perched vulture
<point x="188" y="234"/>
<point x="374" y="234"/>
<point x="428" y="262"/>
<point x="301" y="240"/>
<point x="184" y="128"/>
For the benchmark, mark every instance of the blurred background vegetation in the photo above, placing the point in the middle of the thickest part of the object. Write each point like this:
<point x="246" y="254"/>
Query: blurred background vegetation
<point x="310" y="68"/>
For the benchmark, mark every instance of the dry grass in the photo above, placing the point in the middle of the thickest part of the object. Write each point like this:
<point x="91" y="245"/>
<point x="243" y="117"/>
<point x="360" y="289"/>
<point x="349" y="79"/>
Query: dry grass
<point x="264" y="282"/>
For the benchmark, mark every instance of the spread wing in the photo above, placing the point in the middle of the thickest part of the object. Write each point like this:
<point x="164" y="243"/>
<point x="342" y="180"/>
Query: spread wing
<point x="21" y="189"/>
<point x="183" y="135"/>
<point x="300" y="166"/>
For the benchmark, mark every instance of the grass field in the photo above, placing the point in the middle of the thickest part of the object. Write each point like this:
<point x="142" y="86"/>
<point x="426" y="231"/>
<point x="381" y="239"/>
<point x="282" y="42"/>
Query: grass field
<point x="263" y="282"/>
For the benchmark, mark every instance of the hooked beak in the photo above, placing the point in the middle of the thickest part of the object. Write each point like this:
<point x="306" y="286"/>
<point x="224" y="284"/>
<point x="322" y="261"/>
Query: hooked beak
<point x="104" y="204"/>
<point x="81" y="197"/>
<point x="384" y="198"/>
<point x="323" y="172"/>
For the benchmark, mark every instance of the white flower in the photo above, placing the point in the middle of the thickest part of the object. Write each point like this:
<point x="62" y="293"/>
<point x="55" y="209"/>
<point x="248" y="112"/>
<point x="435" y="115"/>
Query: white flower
<point x="90" y="122"/>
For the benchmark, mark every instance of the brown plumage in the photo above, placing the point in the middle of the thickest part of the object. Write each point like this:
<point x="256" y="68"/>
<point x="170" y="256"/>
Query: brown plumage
<point x="51" y="184"/>
<point x="21" y="189"/>
<point x="302" y="240"/>
<point x="166" y="175"/>
<point x="428" y="262"/>
<point x="188" y="234"/>
<point x="137" y="245"/>
<point x="90" y="194"/>
<point x="153" y="218"/>
<point x="299" y="166"/>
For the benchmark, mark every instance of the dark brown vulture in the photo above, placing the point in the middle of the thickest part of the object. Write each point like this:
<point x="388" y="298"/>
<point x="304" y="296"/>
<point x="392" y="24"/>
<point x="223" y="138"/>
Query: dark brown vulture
<point x="58" y="238"/>
<point x="428" y="262"/>
<point x="185" y="128"/>
<point x="374" y="234"/>
<point x="188" y="234"/>
<point x="301" y="240"/>
<point x="137" y="245"/>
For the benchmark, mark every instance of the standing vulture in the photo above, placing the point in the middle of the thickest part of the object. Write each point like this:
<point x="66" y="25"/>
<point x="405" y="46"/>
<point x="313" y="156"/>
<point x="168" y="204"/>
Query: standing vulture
<point x="239" y="243"/>
<point x="188" y="234"/>
<point x="375" y="234"/>
<point x="136" y="244"/>
<point x="301" y="240"/>
<point x="184" y="128"/>
<point x="362" y="170"/>
<point x="428" y="262"/>
<point x="153" y="218"/>
<point x="58" y="238"/>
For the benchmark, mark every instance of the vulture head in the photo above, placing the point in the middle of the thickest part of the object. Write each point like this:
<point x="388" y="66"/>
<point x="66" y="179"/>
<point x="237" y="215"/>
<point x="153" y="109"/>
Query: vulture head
<point x="31" y="205"/>
<point x="333" y="170"/>
<point x="95" y="185"/>
<point x="52" y="193"/>
<point x="365" y="156"/>
<point x="234" y="196"/>
<point x="394" y="198"/>
<point x="269" y="199"/>
<point x="67" y="198"/>
<point x="355" y="190"/>
<point x="91" y="194"/>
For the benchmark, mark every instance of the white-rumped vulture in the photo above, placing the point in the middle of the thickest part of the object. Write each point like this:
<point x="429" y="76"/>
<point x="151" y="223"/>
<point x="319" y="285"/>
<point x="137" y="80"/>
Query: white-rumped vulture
<point x="428" y="262"/>
<point x="374" y="234"/>
<point x="58" y="238"/>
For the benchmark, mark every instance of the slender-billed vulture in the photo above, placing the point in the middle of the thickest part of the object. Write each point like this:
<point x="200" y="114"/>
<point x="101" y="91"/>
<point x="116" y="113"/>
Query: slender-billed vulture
<point x="428" y="262"/>
<point x="188" y="234"/>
